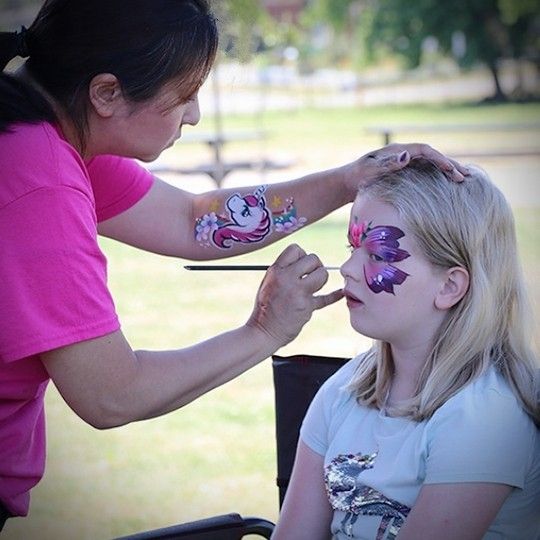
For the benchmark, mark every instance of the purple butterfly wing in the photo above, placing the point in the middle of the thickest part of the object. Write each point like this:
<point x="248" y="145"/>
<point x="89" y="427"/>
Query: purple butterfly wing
<point x="383" y="241"/>
<point x="384" y="279"/>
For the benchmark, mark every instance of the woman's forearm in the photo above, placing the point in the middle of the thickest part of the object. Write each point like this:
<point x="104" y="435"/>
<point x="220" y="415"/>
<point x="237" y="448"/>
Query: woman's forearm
<point x="108" y="385"/>
<point x="183" y="375"/>
<point x="216" y="224"/>
<point x="235" y="221"/>
<point x="227" y="222"/>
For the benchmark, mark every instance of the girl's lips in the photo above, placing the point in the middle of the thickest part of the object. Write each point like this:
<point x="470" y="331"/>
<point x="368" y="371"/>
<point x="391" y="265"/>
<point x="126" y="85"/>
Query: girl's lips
<point x="352" y="301"/>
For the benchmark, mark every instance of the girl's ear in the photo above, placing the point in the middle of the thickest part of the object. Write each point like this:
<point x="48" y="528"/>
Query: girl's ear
<point x="105" y="94"/>
<point x="454" y="286"/>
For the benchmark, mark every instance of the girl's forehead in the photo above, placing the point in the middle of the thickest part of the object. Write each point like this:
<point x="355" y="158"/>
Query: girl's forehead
<point x="378" y="212"/>
<point x="368" y="213"/>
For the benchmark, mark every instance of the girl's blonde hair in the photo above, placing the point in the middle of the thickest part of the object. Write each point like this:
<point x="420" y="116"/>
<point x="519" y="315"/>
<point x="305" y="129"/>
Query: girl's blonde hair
<point x="468" y="224"/>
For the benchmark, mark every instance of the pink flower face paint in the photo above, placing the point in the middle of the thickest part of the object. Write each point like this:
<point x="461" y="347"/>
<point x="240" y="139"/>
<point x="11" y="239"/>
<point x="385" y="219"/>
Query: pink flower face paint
<point x="382" y="245"/>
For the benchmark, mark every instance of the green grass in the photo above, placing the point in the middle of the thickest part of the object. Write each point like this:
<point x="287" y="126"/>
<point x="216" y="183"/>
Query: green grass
<point x="217" y="455"/>
<point x="338" y="128"/>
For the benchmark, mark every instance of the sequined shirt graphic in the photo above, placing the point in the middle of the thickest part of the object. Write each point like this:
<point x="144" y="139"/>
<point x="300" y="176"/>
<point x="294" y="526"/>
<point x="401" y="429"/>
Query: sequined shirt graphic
<point x="347" y="494"/>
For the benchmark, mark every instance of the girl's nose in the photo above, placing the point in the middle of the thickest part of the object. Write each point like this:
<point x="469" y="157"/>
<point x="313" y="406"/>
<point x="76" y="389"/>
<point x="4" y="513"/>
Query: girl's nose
<point x="352" y="268"/>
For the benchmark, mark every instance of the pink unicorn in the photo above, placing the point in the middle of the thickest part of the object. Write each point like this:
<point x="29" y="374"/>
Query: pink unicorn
<point x="250" y="220"/>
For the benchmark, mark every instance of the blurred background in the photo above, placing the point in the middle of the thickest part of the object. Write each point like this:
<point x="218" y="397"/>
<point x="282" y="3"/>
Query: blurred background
<point x="299" y="86"/>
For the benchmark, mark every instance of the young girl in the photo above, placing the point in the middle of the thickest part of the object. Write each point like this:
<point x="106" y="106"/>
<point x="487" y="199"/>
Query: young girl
<point x="431" y="433"/>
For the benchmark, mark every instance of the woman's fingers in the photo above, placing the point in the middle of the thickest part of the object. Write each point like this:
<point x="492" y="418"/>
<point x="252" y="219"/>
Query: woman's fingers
<point x="396" y="156"/>
<point x="306" y="265"/>
<point x="286" y="297"/>
<point x="324" y="300"/>
<point x="289" y="255"/>
<point x="393" y="161"/>
<point x="454" y="170"/>
<point x="461" y="168"/>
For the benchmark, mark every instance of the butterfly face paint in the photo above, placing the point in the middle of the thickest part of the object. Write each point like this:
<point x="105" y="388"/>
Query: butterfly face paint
<point x="382" y="246"/>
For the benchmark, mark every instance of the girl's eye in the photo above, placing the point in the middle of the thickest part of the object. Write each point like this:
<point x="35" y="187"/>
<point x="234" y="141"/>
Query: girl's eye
<point x="350" y="247"/>
<point x="375" y="257"/>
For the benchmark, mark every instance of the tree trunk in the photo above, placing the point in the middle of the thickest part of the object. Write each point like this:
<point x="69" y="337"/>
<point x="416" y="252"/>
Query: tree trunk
<point x="499" y="93"/>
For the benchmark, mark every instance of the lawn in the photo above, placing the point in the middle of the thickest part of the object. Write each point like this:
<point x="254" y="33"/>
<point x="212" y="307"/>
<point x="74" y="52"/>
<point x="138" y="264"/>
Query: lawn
<point x="217" y="455"/>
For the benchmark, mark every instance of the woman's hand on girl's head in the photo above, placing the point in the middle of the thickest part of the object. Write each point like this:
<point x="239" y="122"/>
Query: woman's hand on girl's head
<point x="286" y="298"/>
<point x="396" y="156"/>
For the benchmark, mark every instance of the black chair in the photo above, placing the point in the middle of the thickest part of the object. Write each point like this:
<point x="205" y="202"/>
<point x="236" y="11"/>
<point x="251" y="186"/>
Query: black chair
<point x="296" y="381"/>
<point x="226" y="527"/>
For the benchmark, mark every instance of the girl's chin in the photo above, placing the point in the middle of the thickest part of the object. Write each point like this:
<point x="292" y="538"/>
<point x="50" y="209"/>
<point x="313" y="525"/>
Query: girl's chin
<point x="362" y="330"/>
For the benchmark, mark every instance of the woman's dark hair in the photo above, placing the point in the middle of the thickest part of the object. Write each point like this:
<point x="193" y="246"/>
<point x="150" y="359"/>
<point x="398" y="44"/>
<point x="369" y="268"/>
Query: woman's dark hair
<point x="144" y="43"/>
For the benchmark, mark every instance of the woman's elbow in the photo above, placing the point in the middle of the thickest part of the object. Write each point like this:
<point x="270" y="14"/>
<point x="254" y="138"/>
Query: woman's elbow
<point x="104" y="416"/>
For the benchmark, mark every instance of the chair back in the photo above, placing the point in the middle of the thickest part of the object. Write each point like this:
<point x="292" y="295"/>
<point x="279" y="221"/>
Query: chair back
<point x="225" y="527"/>
<point x="296" y="381"/>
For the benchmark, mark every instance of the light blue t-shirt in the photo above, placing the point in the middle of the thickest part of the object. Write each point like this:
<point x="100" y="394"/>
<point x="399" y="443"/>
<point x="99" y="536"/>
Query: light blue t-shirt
<point x="375" y="465"/>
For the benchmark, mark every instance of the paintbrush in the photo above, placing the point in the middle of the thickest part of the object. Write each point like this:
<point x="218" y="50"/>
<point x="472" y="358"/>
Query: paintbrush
<point x="238" y="267"/>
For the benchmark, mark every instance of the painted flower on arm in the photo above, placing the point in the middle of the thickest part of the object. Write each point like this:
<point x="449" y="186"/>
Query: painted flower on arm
<point x="290" y="225"/>
<point x="286" y="219"/>
<point x="205" y="226"/>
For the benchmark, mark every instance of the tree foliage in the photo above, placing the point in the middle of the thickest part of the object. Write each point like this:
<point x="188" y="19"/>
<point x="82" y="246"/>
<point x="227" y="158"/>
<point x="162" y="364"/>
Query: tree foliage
<point x="492" y="29"/>
<point x="241" y="23"/>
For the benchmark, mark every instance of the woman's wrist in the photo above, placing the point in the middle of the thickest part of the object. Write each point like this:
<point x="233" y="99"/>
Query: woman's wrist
<point x="265" y="342"/>
<point x="352" y="176"/>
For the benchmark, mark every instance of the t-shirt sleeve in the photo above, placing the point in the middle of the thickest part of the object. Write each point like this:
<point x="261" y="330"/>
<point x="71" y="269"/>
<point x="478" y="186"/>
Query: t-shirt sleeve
<point x="55" y="290"/>
<point x="482" y="435"/>
<point x="315" y="429"/>
<point x="118" y="183"/>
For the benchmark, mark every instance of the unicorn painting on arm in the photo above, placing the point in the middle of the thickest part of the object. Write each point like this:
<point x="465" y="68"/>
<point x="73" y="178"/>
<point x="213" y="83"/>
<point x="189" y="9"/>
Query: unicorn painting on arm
<point x="250" y="220"/>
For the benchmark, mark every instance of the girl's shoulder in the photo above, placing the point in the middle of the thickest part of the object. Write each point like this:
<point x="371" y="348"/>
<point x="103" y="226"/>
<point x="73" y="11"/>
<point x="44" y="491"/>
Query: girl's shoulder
<point x="335" y="391"/>
<point x="344" y="374"/>
<point x="488" y="400"/>
<point x="482" y="434"/>
<point x="490" y="383"/>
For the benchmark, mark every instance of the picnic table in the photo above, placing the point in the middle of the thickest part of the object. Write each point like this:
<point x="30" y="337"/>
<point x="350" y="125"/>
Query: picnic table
<point x="388" y="134"/>
<point x="218" y="168"/>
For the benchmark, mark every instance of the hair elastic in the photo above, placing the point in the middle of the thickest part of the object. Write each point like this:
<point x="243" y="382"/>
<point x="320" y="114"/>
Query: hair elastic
<point x="22" y="46"/>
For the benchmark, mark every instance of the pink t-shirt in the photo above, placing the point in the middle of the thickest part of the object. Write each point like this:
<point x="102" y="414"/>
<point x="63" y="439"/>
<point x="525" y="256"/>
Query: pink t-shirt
<point x="53" y="278"/>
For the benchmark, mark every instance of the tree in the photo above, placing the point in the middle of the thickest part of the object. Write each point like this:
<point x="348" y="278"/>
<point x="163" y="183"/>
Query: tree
<point x="241" y="23"/>
<point x="345" y="18"/>
<point x="491" y="29"/>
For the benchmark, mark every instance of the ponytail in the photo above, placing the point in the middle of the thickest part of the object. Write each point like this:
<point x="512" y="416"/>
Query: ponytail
<point x="19" y="102"/>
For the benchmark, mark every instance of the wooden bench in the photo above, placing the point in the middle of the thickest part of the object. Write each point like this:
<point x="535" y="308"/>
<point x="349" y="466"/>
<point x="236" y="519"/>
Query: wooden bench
<point x="218" y="171"/>
<point x="388" y="134"/>
<point x="218" y="168"/>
